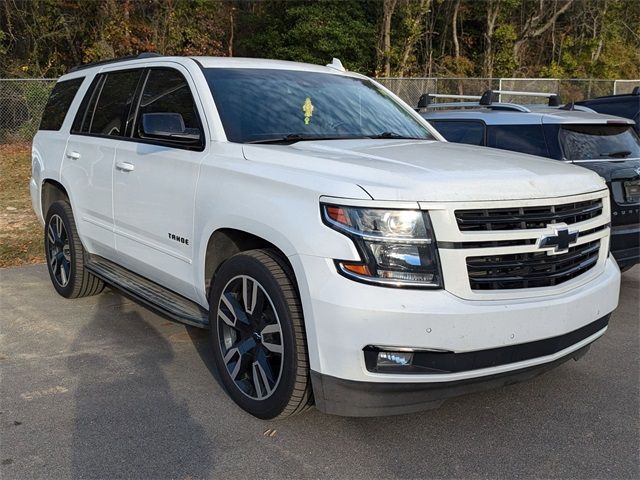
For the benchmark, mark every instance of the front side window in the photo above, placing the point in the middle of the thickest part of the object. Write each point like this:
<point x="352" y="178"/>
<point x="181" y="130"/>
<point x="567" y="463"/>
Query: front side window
<point x="167" y="98"/>
<point x="265" y="105"/>
<point x="471" y="133"/>
<point x="518" y="138"/>
<point x="590" y="142"/>
<point x="113" y="103"/>
<point x="59" y="102"/>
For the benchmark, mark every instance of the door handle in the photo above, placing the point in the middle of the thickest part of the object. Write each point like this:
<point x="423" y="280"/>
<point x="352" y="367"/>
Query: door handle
<point x="125" y="166"/>
<point x="73" y="155"/>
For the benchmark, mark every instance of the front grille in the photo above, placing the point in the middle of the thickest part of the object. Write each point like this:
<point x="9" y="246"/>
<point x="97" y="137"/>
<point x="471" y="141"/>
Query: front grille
<point x="530" y="269"/>
<point x="520" y="218"/>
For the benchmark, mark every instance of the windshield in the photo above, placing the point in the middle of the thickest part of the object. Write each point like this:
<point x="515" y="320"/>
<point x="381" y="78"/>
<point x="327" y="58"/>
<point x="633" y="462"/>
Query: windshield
<point x="264" y="105"/>
<point x="590" y="142"/>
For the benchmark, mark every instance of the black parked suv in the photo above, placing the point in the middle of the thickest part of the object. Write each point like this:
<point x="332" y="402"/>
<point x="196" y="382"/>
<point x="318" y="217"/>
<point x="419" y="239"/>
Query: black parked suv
<point x="575" y="134"/>
<point x="624" y="105"/>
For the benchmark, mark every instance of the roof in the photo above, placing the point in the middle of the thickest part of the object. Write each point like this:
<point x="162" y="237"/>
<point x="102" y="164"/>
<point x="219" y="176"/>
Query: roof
<point x="538" y="114"/>
<point x="209" y="62"/>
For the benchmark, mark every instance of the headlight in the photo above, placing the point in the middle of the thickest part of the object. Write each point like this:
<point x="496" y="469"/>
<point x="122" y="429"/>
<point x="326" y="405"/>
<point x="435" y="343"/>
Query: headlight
<point x="397" y="246"/>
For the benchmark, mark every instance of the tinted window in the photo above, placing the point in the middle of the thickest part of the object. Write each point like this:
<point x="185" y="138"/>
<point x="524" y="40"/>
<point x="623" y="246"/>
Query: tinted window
<point x="59" y="102"/>
<point x="471" y="133"/>
<point x="167" y="91"/>
<point x="587" y="142"/>
<point x="519" y="138"/>
<point x="85" y="113"/>
<point x="114" y="103"/>
<point x="266" y="105"/>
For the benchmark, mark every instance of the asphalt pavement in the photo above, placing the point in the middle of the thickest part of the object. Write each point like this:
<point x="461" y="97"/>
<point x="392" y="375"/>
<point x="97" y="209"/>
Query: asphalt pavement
<point x="103" y="388"/>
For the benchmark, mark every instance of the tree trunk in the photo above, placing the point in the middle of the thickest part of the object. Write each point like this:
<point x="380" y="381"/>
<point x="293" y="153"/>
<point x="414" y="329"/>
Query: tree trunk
<point x="414" y="35"/>
<point x="493" y="8"/>
<point x="388" y="8"/>
<point x="538" y="24"/>
<point x="454" y="29"/>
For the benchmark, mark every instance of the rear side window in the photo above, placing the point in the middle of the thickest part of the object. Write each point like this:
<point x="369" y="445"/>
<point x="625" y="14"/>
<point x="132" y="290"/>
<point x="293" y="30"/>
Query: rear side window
<point x="167" y="91"/>
<point x="113" y="104"/>
<point x="471" y="133"/>
<point x="59" y="102"/>
<point x="519" y="138"/>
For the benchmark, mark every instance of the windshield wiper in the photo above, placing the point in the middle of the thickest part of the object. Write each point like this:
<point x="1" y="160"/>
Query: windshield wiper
<point x="617" y="154"/>
<point x="291" y="138"/>
<point x="395" y="136"/>
<point x="295" y="137"/>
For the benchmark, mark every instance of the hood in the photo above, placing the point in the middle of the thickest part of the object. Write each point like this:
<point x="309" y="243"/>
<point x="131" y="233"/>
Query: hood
<point x="430" y="171"/>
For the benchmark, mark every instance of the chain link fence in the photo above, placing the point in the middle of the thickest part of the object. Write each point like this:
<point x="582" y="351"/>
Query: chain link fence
<point x="410" y="89"/>
<point x="21" y="104"/>
<point x="22" y="100"/>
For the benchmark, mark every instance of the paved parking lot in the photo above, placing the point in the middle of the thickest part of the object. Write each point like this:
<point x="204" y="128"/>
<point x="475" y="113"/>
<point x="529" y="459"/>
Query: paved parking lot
<point x="101" y="387"/>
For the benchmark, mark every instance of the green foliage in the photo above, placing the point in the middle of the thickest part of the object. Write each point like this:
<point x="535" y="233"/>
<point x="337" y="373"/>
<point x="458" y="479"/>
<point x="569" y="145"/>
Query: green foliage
<point x="504" y="63"/>
<point x="591" y="38"/>
<point x="312" y="32"/>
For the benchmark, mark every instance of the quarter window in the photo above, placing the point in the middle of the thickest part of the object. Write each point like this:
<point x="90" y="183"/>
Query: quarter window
<point x="114" y="103"/>
<point x="59" y="102"/>
<point x="519" y="138"/>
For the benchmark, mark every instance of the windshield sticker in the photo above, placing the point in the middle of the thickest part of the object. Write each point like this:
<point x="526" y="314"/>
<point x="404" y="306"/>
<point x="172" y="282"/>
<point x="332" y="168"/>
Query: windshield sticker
<point x="307" y="108"/>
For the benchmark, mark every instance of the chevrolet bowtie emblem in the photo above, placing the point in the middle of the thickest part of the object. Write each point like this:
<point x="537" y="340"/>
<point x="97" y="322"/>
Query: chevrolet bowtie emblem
<point x="561" y="239"/>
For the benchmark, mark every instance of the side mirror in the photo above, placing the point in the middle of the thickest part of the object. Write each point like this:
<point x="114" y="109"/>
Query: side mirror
<point x="168" y="126"/>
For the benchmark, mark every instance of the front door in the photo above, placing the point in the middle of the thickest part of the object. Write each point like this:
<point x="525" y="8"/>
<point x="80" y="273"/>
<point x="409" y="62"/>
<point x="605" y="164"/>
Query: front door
<point x="155" y="183"/>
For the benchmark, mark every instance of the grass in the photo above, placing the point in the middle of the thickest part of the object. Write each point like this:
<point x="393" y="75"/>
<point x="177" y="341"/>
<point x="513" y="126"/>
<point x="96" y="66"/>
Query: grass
<point x="21" y="237"/>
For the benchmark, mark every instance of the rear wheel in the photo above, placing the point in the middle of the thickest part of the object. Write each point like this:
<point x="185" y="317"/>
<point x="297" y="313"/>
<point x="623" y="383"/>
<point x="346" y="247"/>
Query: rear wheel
<point x="257" y="335"/>
<point x="65" y="255"/>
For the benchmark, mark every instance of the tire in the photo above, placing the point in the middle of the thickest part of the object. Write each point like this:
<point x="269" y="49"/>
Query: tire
<point x="254" y="313"/>
<point x="65" y="255"/>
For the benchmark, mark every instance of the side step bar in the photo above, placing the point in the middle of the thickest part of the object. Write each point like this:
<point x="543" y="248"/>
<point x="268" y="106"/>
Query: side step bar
<point x="156" y="296"/>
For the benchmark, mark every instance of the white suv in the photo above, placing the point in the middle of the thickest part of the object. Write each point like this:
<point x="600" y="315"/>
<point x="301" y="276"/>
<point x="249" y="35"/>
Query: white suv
<point x="339" y="249"/>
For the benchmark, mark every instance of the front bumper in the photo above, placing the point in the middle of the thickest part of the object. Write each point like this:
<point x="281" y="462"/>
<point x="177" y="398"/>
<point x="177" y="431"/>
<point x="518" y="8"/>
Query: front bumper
<point x="625" y="244"/>
<point x="363" y="399"/>
<point x="343" y="317"/>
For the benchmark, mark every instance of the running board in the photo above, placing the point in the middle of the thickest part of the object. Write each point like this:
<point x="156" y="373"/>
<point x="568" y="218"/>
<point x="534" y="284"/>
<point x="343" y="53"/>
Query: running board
<point x="156" y="296"/>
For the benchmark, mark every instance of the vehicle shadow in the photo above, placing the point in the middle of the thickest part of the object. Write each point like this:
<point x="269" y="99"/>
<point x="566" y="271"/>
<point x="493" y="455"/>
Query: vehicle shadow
<point x="128" y="423"/>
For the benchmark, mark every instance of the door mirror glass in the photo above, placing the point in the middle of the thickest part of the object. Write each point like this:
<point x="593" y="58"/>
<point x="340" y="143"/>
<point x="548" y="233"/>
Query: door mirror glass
<point x="168" y="126"/>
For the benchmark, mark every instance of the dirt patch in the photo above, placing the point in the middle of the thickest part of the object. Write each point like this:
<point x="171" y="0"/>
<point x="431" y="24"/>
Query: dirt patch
<point x="20" y="232"/>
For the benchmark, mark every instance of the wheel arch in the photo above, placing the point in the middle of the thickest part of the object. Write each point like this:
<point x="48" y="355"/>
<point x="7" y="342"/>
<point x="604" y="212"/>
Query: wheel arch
<point x="51" y="191"/>
<point x="226" y="242"/>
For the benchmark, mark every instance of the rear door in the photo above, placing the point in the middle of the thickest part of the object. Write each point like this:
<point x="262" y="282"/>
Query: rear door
<point x="90" y="154"/>
<point x="155" y="183"/>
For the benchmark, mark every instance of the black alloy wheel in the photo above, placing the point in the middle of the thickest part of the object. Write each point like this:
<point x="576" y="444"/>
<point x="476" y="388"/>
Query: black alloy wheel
<point x="257" y="335"/>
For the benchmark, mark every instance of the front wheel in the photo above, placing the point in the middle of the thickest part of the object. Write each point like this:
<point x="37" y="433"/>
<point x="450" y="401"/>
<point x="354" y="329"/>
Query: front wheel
<point x="257" y="335"/>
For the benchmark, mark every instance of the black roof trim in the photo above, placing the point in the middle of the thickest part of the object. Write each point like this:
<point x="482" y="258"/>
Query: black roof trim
<point x="116" y="60"/>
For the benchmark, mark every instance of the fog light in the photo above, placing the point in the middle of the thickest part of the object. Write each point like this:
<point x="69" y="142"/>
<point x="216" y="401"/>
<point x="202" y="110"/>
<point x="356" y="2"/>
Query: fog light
<point x="394" y="359"/>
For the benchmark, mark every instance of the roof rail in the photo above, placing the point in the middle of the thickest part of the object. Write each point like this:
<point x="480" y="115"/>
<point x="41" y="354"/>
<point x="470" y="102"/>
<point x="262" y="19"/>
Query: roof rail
<point x="425" y="99"/>
<point x="489" y="96"/>
<point x="494" y="106"/>
<point x="115" y="60"/>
